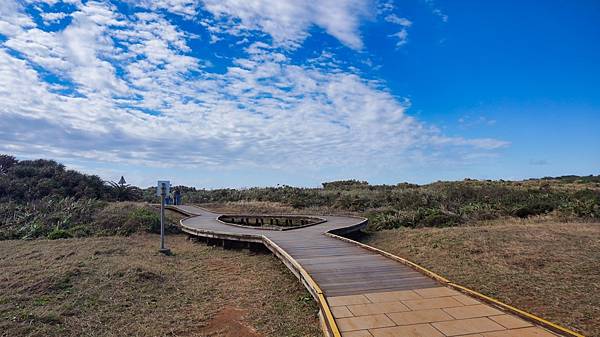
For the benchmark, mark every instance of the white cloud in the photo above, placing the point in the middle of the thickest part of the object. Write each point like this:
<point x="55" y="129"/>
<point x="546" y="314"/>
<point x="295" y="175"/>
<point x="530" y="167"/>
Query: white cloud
<point x="401" y="36"/>
<point x="139" y="96"/>
<point x="436" y="11"/>
<point x="288" y="21"/>
<point x="12" y="18"/>
<point x="185" y="8"/>
<point x="393" y="18"/>
<point x="468" y="121"/>
<point x="53" y="17"/>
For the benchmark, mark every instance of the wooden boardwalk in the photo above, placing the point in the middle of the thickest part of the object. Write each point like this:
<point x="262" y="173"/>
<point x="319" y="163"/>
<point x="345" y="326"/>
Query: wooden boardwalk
<point x="361" y="292"/>
<point x="338" y="267"/>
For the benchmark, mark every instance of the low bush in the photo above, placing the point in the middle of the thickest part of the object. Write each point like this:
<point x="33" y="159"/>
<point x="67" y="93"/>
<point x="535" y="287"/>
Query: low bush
<point x="144" y="218"/>
<point x="532" y="209"/>
<point x="422" y="217"/>
<point x="58" y="233"/>
<point x="54" y="218"/>
<point x="437" y="204"/>
<point x="586" y="209"/>
<point x="41" y="217"/>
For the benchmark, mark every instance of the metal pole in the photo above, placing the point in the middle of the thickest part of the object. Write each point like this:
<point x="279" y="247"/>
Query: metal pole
<point x="163" y="249"/>
<point x="162" y="222"/>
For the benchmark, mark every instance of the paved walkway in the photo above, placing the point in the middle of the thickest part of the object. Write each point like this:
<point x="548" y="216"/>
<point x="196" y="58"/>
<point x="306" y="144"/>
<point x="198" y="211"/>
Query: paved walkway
<point x="368" y="294"/>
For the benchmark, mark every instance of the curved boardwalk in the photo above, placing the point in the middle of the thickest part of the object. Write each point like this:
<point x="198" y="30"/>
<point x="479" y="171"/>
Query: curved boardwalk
<point x="363" y="293"/>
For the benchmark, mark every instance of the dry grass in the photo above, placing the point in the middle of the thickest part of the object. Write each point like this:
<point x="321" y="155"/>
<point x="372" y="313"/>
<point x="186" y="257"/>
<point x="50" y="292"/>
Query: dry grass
<point x="251" y="207"/>
<point x="549" y="269"/>
<point x="121" y="286"/>
<point x="269" y="207"/>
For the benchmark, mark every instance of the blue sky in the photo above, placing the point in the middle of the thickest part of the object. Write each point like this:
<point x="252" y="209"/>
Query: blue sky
<point x="262" y="92"/>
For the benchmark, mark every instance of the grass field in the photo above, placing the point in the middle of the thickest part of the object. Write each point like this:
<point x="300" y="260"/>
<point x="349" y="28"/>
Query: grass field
<point x="121" y="286"/>
<point x="115" y="286"/>
<point x="549" y="269"/>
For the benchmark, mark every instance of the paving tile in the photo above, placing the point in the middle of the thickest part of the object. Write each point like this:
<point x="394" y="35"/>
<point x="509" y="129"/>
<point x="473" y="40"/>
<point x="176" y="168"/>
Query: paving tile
<point x="340" y="312"/>
<point x="467" y="326"/>
<point x="357" y="333"/>
<point x="436" y="292"/>
<point x="466" y="300"/>
<point x="418" y="330"/>
<point x="347" y="300"/>
<point x="392" y="296"/>
<point x="377" y="308"/>
<point x="472" y="311"/>
<point x="472" y="335"/>
<point x="510" y="321"/>
<point x="420" y="316"/>
<point x="432" y="303"/>
<point x="527" y="332"/>
<point x="364" y="322"/>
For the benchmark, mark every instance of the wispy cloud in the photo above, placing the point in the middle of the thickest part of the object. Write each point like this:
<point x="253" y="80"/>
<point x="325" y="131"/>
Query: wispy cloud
<point x="129" y="88"/>
<point x="468" y="121"/>
<point x="288" y="22"/>
<point x="402" y="35"/>
<point x="435" y="10"/>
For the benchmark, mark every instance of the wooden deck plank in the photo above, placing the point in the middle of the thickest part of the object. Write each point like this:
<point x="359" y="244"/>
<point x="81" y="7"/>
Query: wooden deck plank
<point x="339" y="267"/>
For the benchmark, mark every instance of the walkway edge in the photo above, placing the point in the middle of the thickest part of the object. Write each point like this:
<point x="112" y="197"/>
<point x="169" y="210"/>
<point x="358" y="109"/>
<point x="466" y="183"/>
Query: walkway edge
<point x="490" y="300"/>
<point x="309" y="284"/>
<point x="328" y="323"/>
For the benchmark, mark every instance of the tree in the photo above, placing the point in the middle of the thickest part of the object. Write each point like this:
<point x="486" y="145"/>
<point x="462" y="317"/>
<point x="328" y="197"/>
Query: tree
<point x="122" y="191"/>
<point x="6" y="162"/>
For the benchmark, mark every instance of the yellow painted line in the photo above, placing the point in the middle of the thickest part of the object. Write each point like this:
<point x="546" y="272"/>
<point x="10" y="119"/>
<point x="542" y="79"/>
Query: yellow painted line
<point x="520" y="312"/>
<point x="320" y="297"/>
<point x="394" y="257"/>
<point x="547" y="324"/>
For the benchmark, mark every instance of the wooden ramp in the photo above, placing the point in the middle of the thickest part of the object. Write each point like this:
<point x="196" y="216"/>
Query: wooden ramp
<point x="363" y="293"/>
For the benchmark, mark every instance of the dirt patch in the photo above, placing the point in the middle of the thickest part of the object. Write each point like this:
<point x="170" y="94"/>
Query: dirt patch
<point x="229" y="323"/>
<point x="549" y="269"/>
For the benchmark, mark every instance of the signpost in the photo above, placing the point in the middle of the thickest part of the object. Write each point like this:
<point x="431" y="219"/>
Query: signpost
<point x="162" y="190"/>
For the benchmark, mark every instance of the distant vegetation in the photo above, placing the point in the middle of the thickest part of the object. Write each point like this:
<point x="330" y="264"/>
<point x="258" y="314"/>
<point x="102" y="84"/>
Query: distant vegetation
<point x="29" y="180"/>
<point x="40" y="198"/>
<point x="437" y="204"/>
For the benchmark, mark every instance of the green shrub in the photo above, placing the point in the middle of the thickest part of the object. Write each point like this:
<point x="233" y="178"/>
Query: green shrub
<point x="68" y="217"/>
<point x="479" y="211"/>
<point x="126" y="218"/>
<point x="144" y="218"/>
<point x="588" y="209"/>
<point x="29" y="180"/>
<point x="80" y="231"/>
<point x="58" y="233"/>
<point x="429" y="217"/>
<point x="532" y="209"/>
<point x="422" y="217"/>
